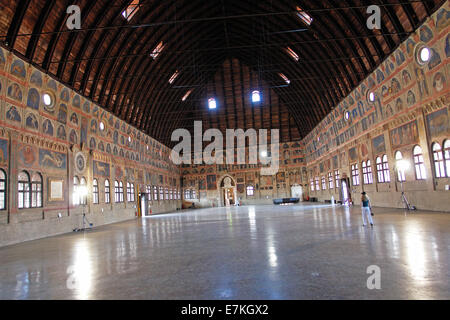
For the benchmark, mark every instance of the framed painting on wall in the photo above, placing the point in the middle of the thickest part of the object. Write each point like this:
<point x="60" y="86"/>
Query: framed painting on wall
<point x="55" y="190"/>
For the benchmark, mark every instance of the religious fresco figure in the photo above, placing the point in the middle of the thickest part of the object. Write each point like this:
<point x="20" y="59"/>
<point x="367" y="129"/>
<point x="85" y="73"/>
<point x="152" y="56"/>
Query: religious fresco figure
<point x="47" y="127"/>
<point x="15" y="92"/>
<point x="31" y="122"/>
<point x="33" y="99"/>
<point x="421" y="82"/>
<point x="36" y="79"/>
<point x="439" y="82"/>
<point x="61" y="133"/>
<point x="13" y="114"/>
<point x="18" y="69"/>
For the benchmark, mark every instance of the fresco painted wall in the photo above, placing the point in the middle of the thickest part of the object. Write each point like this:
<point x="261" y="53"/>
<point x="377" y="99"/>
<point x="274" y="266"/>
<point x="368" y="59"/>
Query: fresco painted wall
<point x="411" y="108"/>
<point x="207" y="180"/>
<point x="62" y="141"/>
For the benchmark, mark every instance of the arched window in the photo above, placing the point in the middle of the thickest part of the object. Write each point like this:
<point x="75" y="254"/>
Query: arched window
<point x="2" y="190"/>
<point x="120" y="191"/>
<point x="250" y="191"/>
<point x="148" y="190"/>
<point x="95" y="192"/>
<point x="337" y="177"/>
<point x="447" y="156"/>
<point x="132" y="193"/>
<point x="387" y="175"/>
<point x="438" y="158"/>
<point x="116" y="192"/>
<point x="355" y="174"/>
<point x="419" y="164"/>
<point x="76" y="197"/>
<point x="155" y="193"/>
<point x="107" y="192"/>
<point x="256" y="96"/>
<point x="383" y="170"/>
<point x="369" y="172"/>
<point x="83" y="185"/>
<point x="128" y="192"/>
<point x="330" y="180"/>
<point x="161" y="193"/>
<point x="379" y="170"/>
<point x="400" y="171"/>
<point x="212" y="103"/>
<point x="36" y="191"/>
<point x="24" y="190"/>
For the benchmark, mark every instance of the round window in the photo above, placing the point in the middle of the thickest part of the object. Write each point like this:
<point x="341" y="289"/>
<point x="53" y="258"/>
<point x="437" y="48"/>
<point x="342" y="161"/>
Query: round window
<point x="371" y="97"/>
<point x="47" y="98"/>
<point x="423" y="54"/>
<point x="347" y="115"/>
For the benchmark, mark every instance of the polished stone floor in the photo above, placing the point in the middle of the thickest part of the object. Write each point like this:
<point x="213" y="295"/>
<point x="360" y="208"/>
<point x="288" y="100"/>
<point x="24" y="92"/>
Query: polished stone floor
<point x="263" y="252"/>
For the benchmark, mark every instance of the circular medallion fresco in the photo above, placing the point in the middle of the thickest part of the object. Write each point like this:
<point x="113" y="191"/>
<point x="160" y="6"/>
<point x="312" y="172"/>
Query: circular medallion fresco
<point x="80" y="162"/>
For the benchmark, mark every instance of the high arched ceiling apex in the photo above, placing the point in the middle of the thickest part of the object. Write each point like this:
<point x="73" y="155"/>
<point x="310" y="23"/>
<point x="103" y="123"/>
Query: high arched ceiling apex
<point x="112" y="58"/>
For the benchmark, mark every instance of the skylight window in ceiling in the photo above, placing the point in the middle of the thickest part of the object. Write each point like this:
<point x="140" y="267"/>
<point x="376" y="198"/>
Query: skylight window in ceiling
<point x="159" y="48"/>
<point x="292" y="54"/>
<point x="186" y="95"/>
<point x="286" y="79"/>
<point x="174" y="76"/>
<point x="212" y="103"/>
<point x="306" y="18"/>
<point x="256" y="96"/>
<point x="131" y="10"/>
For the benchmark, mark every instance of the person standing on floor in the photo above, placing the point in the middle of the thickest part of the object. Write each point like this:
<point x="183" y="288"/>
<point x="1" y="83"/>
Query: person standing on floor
<point x="366" y="209"/>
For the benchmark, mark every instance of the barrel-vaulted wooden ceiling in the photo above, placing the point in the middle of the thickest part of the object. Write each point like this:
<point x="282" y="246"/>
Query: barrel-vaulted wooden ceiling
<point x="215" y="45"/>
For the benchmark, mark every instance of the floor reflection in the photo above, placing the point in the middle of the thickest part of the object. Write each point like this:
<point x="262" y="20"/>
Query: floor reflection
<point x="256" y="252"/>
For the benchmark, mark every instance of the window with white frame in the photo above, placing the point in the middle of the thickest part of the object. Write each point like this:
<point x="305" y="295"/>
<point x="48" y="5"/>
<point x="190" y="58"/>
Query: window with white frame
<point x="83" y="186"/>
<point x="161" y="193"/>
<point x="419" y="163"/>
<point x="155" y="193"/>
<point x="167" y="193"/>
<point x="324" y="184"/>
<point x="95" y="192"/>
<point x="36" y="191"/>
<point x="2" y="190"/>
<point x="383" y="169"/>
<point x="438" y="159"/>
<point x="76" y="195"/>
<point x="250" y="191"/>
<point x="107" y="192"/>
<point x="311" y="181"/>
<point x="128" y="192"/>
<point x="121" y="191"/>
<point x="400" y="171"/>
<point x="148" y="191"/>
<point x="317" y="184"/>
<point x="337" y="177"/>
<point x="367" y="172"/>
<point x="447" y="156"/>
<point x="330" y="181"/>
<point x="23" y="190"/>
<point x="355" y="174"/>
